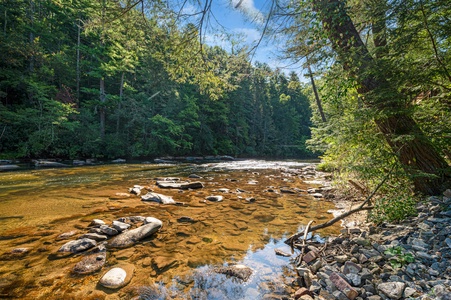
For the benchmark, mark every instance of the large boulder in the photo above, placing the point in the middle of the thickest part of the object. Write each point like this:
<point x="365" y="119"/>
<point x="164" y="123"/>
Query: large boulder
<point x="130" y="237"/>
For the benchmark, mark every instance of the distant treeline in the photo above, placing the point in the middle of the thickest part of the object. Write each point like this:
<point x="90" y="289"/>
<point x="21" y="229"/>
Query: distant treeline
<point x="92" y="78"/>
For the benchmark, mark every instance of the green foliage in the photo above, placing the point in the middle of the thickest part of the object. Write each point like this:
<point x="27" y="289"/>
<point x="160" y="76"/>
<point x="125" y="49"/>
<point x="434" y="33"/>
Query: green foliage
<point x="98" y="79"/>
<point x="398" y="258"/>
<point x="393" y="208"/>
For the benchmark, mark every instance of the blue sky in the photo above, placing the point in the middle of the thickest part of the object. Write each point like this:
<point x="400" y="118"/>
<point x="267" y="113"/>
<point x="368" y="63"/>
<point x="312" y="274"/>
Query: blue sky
<point x="245" y="19"/>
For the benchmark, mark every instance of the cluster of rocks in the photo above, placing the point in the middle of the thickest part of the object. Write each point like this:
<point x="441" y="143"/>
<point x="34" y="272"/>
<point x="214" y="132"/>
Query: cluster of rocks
<point x="122" y="233"/>
<point x="411" y="260"/>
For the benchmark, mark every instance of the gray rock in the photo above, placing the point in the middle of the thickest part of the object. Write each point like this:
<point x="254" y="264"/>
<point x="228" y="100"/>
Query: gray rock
<point x="97" y="223"/>
<point x="409" y="292"/>
<point x="90" y="263"/>
<point x="215" y="198"/>
<point x="155" y="197"/>
<point x="66" y="235"/>
<point x="94" y="236"/>
<point x="120" y="226"/>
<point x="339" y="295"/>
<point x="239" y="271"/>
<point x="351" y="267"/>
<point x="77" y="246"/>
<point x="108" y="230"/>
<point x="117" y="277"/>
<point x="180" y="185"/>
<point x="392" y="290"/>
<point x="135" y="190"/>
<point x="130" y="237"/>
<point x="354" y="279"/>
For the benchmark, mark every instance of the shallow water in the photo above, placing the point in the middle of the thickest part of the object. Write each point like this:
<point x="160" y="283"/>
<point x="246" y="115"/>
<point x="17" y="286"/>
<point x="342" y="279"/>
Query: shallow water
<point x="38" y="205"/>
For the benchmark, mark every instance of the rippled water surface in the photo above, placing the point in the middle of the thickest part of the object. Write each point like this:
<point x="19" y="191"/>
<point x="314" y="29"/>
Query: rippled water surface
<point x="179" y="261"/>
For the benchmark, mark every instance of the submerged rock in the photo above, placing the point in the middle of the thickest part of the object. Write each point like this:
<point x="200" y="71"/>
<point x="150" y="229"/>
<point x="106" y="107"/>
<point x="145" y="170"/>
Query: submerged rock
<point x="91" y="262"/>
<point x="128" y="238"/>
<point x="239" y="271"/>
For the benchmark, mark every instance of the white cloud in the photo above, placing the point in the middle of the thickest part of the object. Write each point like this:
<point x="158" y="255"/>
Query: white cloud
<point x="249" y="9"/>
<point x="248" y="35"/>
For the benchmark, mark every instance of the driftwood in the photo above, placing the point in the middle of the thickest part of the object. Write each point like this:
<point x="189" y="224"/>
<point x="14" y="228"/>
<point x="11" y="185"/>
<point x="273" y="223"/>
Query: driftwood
<point x="290" y="241"/>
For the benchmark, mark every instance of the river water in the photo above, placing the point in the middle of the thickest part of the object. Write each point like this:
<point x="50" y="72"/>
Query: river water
<point x="178" y="262"/>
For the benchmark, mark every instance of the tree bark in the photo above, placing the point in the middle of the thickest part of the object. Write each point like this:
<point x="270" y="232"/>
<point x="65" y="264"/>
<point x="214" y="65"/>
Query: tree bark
<point x="429" y="170"/>
<point x="315" y="91"/>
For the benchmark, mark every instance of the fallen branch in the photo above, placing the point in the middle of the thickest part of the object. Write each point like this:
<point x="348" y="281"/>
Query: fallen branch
<point x="291" y="239"/>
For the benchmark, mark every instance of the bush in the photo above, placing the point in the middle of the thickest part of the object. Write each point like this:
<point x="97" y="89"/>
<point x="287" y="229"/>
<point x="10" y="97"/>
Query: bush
<point x="393" y="208"/>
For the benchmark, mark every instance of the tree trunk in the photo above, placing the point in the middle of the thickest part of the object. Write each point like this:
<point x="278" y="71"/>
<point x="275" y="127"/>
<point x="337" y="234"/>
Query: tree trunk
<point x="429" y="170"/>
<point x="315" y="91"/>
<point x="78" y="60"/>
<point x="119" y="105"/>
<point x="102" y="108"/>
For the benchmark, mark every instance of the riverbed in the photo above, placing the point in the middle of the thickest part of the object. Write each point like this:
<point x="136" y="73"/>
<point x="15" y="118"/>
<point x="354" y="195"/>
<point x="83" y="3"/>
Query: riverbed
<point x="256" y="214"/>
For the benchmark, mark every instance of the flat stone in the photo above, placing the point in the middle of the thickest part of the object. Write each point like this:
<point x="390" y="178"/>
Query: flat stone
<point x="155" y="197"/>
<point x="239" y="271"/>
<point x="90" y="263"/>
<point x="120" y="226"/>
<point x="94" y="236"/>
<point x="108" y="230"/>
<point x="77" y="245"/>
<point x="351" y="267"/>
<point x="343" y="286"/>
<point x="310" y="256"/>
<point x="97" y="223"/>
<point x="393" y="290"/>
<point x="301" y="292"/>
<point x="67" y="235"/>
<point x="130" y="237"/>
<point x="180" y="185"/>
<point x="117" y="277"/>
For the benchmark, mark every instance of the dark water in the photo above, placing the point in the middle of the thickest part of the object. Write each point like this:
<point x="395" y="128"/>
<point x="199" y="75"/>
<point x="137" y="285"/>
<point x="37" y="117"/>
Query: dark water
<point x="38" y="205"/>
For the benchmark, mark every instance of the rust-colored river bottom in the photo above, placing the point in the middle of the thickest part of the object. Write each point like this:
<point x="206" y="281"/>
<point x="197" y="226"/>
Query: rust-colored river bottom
<point x="38" y="205"/>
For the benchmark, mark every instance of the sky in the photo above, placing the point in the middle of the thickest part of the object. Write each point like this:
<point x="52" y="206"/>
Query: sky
<point x="245" y="18"/>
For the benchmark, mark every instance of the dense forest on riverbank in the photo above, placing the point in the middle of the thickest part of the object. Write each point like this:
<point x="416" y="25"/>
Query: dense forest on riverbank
<point x="136" y="79"/>
<point x="90" y="79"/>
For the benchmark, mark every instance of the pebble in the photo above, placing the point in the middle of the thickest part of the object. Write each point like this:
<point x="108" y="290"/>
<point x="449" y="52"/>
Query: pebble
<point x="357" y="266"/>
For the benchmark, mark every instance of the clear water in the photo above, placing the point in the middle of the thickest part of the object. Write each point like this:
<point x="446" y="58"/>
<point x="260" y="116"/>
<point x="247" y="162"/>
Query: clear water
<point x="38" y="205"/>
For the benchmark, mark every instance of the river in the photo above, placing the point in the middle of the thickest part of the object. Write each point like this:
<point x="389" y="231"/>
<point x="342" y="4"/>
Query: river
<point x="36" y="206"/>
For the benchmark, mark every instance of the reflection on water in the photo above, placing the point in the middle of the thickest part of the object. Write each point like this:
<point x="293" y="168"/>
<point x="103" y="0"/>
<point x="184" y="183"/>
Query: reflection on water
<point x="36" y="206"/>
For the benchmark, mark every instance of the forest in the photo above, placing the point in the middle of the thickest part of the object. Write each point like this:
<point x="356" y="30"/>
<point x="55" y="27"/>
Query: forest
<point x="101" y="79"/>
<point x="113" y="78"/>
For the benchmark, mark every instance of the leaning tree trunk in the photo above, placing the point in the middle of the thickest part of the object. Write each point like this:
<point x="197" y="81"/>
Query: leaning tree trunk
<point x="417" y="155"/>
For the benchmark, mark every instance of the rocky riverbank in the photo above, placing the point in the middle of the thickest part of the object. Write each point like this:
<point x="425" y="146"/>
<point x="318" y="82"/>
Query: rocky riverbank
<point x="411" y="260"/>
